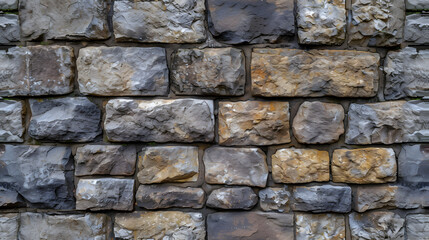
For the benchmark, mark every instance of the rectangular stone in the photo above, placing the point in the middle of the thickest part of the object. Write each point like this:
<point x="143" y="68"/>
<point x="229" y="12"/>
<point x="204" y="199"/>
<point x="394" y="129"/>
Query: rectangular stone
<point x="417" y="4"/>
<point x="324" y="198"/>
<point x="418" y="227"/>
<point x="320" y="226"/>
<point x="232" y="198"/>
<point x="413" y="162"/>
<point x="275" y="199"/>
<point x="8" y="4"/>
<point x="9" y="31"/>
<point x="417" y="29"/>
<point x="377" y="225"/>
<point x="161" y="196"/>
<point x="122" y="71"/>
<point x="283" y="72"/>
<point x="9" y="224"/>
<point x="11" y="124"/>
<point x="180" y="120"/>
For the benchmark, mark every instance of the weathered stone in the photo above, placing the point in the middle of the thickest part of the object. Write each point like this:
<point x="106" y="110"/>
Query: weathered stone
<point x="364" y="165"/>
<point x="417" y="4"/>
<point x="210" y="71"/>
<point x="377" y="23"/>
<point x="320" y="226"/>
<point x="122" y="71"/>
<point x="418" y="227"/>
<point x="42" y="175"/>
<point x="168" y="164"/>
<point x="388" y="122"/>
<point x="413" y="164"/>
<point x="300" y="165"/>
<point x="11" y="128"/>
<point x="160" y="225"/>
<point x="232" y="198"/>
<point x="9" y="226"/>
<point x="297" y="73"/>
<point x="9" y="29"/>
<point x="417" y="29"/>
<point x="406" y="73"/>
<point x="159" y="21"/>
<point x="253" y="123"/>
<point x="71" y="119"/>
<point x="68" y="19"/>
<point x="376" y="226"/>
<point x="275" y="199"/>
<point x="10" y="198"/>
<point x="180" y="120"/>
<point x="104" y="194"/>
<point x="75" y="226"/>
<point x="251" y="21"/>
<point x="250" y="226"/>
<point x="321" y="22"/>
<point x="318" y="123"/>
<point x="225" y="166"/>
<point x="105" y="160"/>
<point x="8" y="4"/>
<point x="325" y="198"/>
<point x="159" y="196"/>
<point x="36" y="71"/>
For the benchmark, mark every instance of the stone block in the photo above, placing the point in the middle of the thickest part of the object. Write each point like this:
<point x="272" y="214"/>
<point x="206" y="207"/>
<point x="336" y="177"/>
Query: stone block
<point x="417" y="29"/>
<point x="160" y="196"/>
<point x="9" y="29"/>
<point x="11" y="124"/>
<point x="275" y="199"/>
<point x="376" y="225"/>
<point x="320" y="226"/>
<point x="325" y="198"/>
<point x="232" y="198"/>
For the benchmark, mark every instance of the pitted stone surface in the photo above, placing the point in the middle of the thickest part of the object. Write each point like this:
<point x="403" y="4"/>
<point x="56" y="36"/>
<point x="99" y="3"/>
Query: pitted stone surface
<point x="122" y="71"/>
<point x="232" y="198"/>
<point x="417" y="4"/>
<point x="9" y="226"/>
<point x="210" y="71"/>
<point x="376" y="226"/>
<point x="11" y="125"/>
<point x="8" y="4"/>
<point x="417" y="29"/>
<point x="325" y="198"/>
<point x="9" y="29"/>
<point x="320" y="226"/>
<point x="418" y="227"/>
<point x="275" y="199"/>
<point x="413" y="164"/>
<point x="283" y="72"/>
<point x="159" y="196"/>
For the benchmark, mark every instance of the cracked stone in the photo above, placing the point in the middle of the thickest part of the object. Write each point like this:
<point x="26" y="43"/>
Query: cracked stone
<point x="9" y="29"/>
<point x="159" y="196"/>
<point x="11" y="125"/>
<point x="232" y="198"/>
<point x="9" y="224"/>
<point x="325" y="198"/>
<point x="275" y="199"/>
<point x="376" y="226"/>
<point x="417" y="226"/>
<point x="320" y="226"/>
<point x="417" y="29"/>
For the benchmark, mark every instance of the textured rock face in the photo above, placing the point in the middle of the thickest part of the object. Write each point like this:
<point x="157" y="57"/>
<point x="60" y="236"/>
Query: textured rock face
<point x="210" y="71"/>
<point x="320" y="226"/>
<point x="250" y="225"/>
<point x="225" y="166"/>
<point x="9" y="29"/>
<point x="42" y="175"/>
<point x="168" y="164"/>
<point x="71" y="119"/>
<point x="36" y="71"/>
<point x="417" y="226"/>
<point x="69" y="19"/>
<point x="104" y="194"/>
<point x="159" y="196"/>
<point x="253" y="123"/>
<point x="315" y="73"/>
<point x="376" y="226"/>
<point x="9" y="226"/>
<point x="10" y="198"/>
<point x="275" y="199"/>
<point x="300" y="165"/>
<point x="8" y="4"/>
<point x="11" y="128"/>
<point x="321" y="22"/>
<point x="318" y="123"/>
<point x="160" y="225"/>
<point x="122" y="71"/>
<point x="326" y="198"/>
<point x="181" y="120"/>
<point x="377" y="23"/>
<point x="105" y="160"/>
<point x="232" y="198"/>
<point x="159" y="21"/>
<point x="252" y="21"/>
<point x="373" y="197"/>
<point x="417" y="4"/>
<point x="417" y="29"/>
<point x="413" y="162"/>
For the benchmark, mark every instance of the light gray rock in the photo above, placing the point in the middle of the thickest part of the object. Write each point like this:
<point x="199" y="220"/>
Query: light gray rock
<point x="376" y="226"/>
<point x="418" y="227"/>
<point x="180" y="120"/>
<point x="417" y="29"/>
<point x="232" y="198"/>
<point x="11" y="127"/>
<point x="413" y="164"/>
<point x="417" y="4"/>
<point x="167" y="21"/>
<point x="325" y="198"/>
<point x="71" y="119"/>
<point x="9" y="29"/>
<point x="8" y="4"/>
<point x="160" y="196"/>
<point x="320" y="226"/>
<point x="9" y="226"/>
<point x="275" y="199"/>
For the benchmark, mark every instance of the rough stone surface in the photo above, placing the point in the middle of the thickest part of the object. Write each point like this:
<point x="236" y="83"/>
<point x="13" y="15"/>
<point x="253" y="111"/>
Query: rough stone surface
<point x="225" y="166"/>
<point x="417" y="29"/>
<point x="325" y="198"/>
<point x="105" y="160"/>
<point x="122" y="71"/>
<point x="167" y="21"/>
<point x="318" y="123"/>
<point x="168" y="164"/>
<point x="417" y="4"/>
<point x="36" y="71"/>
<point x="232" y="198"/>
<point x="9" y="29"/>
<point x="376" y="226"/>
<point x="9" y="226"/>
<point x="159" y="196"/>
<point x="11" y="126"/>
<point x="160" y="225"/>
<point x="418" y="227"/>
<point x="321" y="22"/>
<point x="275" y="199"/>
<point x="377" y="23"/>
<point x="68" y="19"/>
<point x="180" y="120"/>
<point x="8" y="4"/>
<point x="104" y="194"/>
<point x="250" y="226"/>
<point x="71" y="119"/>
<point x="210" y="71"/>
<point x="253" y="123"/>
<point x="413" y="163"/>
<point x="42" y="175"/>
<point x="251" y="21"/>
<point x="316" y="73"/>
<point x="300" y="165"/>
<point x="320" y="226"/>
<point x="10" y="198"/>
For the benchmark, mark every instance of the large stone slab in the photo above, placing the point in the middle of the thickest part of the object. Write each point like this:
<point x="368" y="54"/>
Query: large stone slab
<point x="160" y="196"/>
<point x="325" y="198"/>
<point x="11" y="125"/>
<point x="253" y="123"/>
<point x="210" y="71"/>
<point x="320" y="226"/>
<point x="232" y="198"/>
<point x="9" y="226"/>
<point x="36" y="71"/>
<point x="376" y="226"/>
<point x="159" y="21"/>
<point x="8" y="4"/>
<point x="297" y="73"/>
<point x="418" y="227"/>
<point x="417" y="29"/>
<point x="417" y="4"/>
<point x="275" y="199"/>
<point x="180" y="120"/>
<point x="413" y="164"/>
<point x="9" y="29"/>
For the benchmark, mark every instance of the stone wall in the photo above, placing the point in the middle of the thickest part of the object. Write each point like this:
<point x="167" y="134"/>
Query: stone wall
<point x="214" y="119"/>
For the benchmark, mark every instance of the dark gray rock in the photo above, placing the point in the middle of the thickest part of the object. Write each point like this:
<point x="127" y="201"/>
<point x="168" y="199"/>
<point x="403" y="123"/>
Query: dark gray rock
<point x="8" y="4"/>
<point x="160" y="196"/>
<point x="11" y="128"/>
<point x="9" y="29"/>
<point x="325" y="198"/>
<point x="232" y="198"/>
<point x="275" y="199"/>
<point x="417" y="4"/>
<point x="9" y="224"/>
<point x="413" y="164"/>
<point x="417" y="29"/>
<point x="10" y="198"/>
<point x="418" y="227"/>
<point x="376" y="226"/>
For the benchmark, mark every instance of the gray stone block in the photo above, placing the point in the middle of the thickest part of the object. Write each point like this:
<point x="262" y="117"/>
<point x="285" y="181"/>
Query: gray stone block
<point x="232" y="198"/>
<point x="11" y="124"/>
<point x="325" y="198"/>
<point x="9" y="29"/>
<point x="160" y="196"/>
